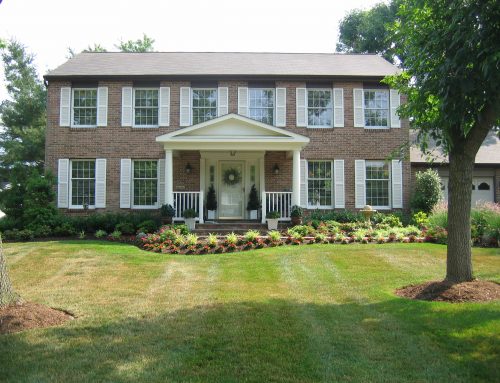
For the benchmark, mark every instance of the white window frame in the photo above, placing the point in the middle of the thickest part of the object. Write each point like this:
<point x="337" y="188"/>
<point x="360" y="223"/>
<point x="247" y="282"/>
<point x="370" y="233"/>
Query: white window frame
<point x="389" y="183"/>
<point x="133" y="108"/>
<point x="321" y="207"/>
<point x="307" y="108"/>
<point x="273" y="90"/>
<point x="388" y="126"/>
<point x="72" y="124"/>
<point x="70" y="185"/>
<point x="192" y="104"/>
<point x="132" y="180"/>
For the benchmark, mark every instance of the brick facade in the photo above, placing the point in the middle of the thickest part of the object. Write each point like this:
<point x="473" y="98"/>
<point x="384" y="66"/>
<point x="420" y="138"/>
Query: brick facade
<point x="115" y="142"/>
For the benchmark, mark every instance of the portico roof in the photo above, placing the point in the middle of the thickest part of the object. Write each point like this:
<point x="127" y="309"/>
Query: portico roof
<point x="232" y="132"/>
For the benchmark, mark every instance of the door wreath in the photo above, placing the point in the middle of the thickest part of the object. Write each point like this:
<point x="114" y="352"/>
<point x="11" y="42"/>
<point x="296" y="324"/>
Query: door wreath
<point x="231" y="176"/>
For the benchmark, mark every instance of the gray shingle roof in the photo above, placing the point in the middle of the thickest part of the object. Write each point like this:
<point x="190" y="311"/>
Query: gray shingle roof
<point x="211" y="63"/>
<point x="489" y="152"/>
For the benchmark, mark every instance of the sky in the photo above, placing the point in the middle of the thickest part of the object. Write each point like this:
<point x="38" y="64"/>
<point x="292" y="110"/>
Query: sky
<point x="49" y="27"/>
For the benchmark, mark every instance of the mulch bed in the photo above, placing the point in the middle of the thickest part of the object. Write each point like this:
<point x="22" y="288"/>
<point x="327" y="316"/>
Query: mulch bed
<point x="28" y="315"/>
<point x="474" y="291"/>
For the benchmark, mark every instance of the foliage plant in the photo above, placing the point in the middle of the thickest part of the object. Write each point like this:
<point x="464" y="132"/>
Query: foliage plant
<point x="211" y="198"/>
<point x="189" y="213"/>
<point x="212" y="240"/>
<point x="167" y="210"/>
<point x="273" y="214"/>
<point x="100" y="234"/>
<point x="427" y="191"/>
<point x="251" y="236"/>
<point x="296" y="211"/>
<point x="253" y="199"/>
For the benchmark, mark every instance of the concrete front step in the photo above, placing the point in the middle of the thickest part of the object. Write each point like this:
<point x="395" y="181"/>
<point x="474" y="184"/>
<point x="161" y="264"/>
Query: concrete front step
<point x="237" y="227"/>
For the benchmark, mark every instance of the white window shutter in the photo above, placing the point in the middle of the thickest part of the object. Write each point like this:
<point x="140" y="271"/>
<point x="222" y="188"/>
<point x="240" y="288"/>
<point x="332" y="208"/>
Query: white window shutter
<point x="185" y="106"/>
<point x="65" y="107"/>
<point x="100" y="183"/>
<point x="338" y="107"/>
<point x="397" y="184"/>
<point x="303" y="183"/>
<point x="360" y="183"/>
<point x="243" y="101"/>
<point x="395" y="101"/>
<point x="301" y="107"/>
<point x="125" y="179"/>
<point x="102" y="106"/>
<point x="164" y="106"/>
<point x="281" y="107"/>
<point x="338" y="174"/>
<point x="127" y="109"/>
<point x="222" y="101"/>
<point x="358" y="104"/>
<point x="161" y="182"/>
<point x="62" y="183"/>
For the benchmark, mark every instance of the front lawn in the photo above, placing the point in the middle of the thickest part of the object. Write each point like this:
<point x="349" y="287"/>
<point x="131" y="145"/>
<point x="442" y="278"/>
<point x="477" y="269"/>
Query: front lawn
<point x="290" y="314"/>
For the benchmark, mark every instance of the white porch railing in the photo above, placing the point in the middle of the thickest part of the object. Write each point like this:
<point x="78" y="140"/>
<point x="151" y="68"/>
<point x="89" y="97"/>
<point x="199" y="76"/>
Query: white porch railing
<point x="188" y="200"/>
<point x="277" y="201"/>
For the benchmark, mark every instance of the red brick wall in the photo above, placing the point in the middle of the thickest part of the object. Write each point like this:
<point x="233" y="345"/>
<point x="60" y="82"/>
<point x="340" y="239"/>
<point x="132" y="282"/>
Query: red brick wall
<point x="115" y="142"/>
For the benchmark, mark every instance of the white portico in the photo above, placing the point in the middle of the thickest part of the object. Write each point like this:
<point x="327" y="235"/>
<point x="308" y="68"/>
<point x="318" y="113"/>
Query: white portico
<point x="232" y="153"/>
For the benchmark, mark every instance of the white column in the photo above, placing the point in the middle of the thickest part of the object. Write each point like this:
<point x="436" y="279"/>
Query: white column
<point x="169" y="177"/>
<point x="262" y="175"/>
<point x="296" y="178"/>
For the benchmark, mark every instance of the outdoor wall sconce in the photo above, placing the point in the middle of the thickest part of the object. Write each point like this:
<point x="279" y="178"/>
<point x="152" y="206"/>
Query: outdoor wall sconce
<point x="233" y="153"/>
<point x="188" y="168"/>
<point x="276" y="169"/>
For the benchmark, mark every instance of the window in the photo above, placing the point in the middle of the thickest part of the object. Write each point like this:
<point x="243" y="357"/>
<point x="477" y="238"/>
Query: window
<point x="82" y="183"/>
<point x="145" y="183"/>
<point x="376" y="108"/>
<point x="483" y="186"/>
<point x="145" y="107"/>
<point x="204" y="105"/>
<point x="84" y="107"/>
<point x="261" y="105"/>
<point x="377" y="183"/>
<point x="319" y="183"/>
<point x="319" y="108"/>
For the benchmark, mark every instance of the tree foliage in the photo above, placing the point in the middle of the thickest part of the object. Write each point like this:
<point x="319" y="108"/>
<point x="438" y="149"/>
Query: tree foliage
<point x="451" y="76"/>
<point x="145" y="44"/>
<point x="23" y="116"/>
<point x="427" y="191"/>
<point x="368" y="31"/>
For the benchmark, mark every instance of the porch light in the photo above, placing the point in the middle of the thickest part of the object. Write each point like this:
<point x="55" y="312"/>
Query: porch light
<point x="188" y="168"/>
<point x="276" y="169"/>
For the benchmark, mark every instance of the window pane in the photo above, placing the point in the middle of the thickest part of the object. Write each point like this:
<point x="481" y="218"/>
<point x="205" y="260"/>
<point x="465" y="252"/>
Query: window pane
<point x="83" y="183"/>
<point x="261" y="105"/>
<point x="146" y="107"/>
<point x="377" y="183"/>
<point x="376" y="108"/>
<point x="145" y="183"/>
<point x="204" y="105"/>
<point x="85" y="107"/>
<point x="320" y="107"/>
<point x="319" y="183"/>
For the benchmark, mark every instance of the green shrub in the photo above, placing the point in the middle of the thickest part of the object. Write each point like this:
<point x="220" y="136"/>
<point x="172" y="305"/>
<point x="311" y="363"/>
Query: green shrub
<point x="41" y="231"/>
<point x="231" y="239"/>
<point x="392" y="220"/>
<point x="251" y="235"/>
<point x="338" y="216"/>
<point x="273" y="214"/>
<point x="189" y="213"/>
<point x="66" y="229"/>
<point x="148" y="226"/>
<point x="181" y="228"/>
<point x="100" y="234"/>
<point x="274" y="235"/>
<point x="116" y="234"/>
<point x="302" y="230"/>
<point x="421" y="219"/>
<point x="167" y="210"/>
<point x="427" y="191"/>
<point x="191" y="240"/>
<point x="439" y="216"/>
<point x="212" y="240"/>
<point x="126" y="228"/>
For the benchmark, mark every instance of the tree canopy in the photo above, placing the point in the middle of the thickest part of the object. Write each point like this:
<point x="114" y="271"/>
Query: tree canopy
<point x="368" y="31"/>
<point x="145" y="44"/>
<point x="451" y="76"/>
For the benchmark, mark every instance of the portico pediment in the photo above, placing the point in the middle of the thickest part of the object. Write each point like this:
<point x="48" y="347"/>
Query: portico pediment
<point x="233" y="131"/>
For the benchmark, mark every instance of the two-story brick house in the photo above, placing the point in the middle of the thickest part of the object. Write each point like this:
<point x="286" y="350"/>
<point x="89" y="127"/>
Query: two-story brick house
<point x="136" y="130"/>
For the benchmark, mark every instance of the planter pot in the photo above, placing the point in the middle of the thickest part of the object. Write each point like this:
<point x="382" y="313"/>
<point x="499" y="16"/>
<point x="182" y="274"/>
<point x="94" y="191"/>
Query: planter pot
<point x="211" y="215"/>
<point x="190" y="223"/>
<point x="296" y="220"/>
<point x="166" y="220"/>
<point x="253" y="214"/>
<point x="272" y="224"/>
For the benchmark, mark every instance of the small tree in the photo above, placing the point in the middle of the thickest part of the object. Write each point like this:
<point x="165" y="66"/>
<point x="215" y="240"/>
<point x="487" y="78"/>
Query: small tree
<point x="253" y="199"/>
<point x="211" y="198"/>
<point x="7" y="294"/>
<point x="427" y="191"/>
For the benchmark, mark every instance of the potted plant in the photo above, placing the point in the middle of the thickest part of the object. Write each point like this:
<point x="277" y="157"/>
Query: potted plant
<point x="211" y="202"/>
<point x="190" y="218"/>
<point x="296" y="214"/>
<point x="272" y="219"/>
<point x="253" y="202"/>
<point x="167" y="212"/>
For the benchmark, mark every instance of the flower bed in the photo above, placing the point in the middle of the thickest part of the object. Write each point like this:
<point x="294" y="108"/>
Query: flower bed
<point x="170" y="241"/>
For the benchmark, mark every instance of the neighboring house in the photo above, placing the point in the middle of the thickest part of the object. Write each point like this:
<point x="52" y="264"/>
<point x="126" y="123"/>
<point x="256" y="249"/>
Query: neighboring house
<point x="486" y="176"/>
<point x="130" y="131"/>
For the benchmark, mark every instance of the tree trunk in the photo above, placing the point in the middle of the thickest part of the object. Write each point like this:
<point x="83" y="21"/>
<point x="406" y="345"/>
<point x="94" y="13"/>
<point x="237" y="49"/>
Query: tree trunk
<point x="459" y="260"/>
<point x="7" y="294"/>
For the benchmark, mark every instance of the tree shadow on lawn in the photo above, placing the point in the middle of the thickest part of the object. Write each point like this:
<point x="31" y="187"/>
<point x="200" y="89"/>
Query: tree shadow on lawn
<point x="277" y="340"/>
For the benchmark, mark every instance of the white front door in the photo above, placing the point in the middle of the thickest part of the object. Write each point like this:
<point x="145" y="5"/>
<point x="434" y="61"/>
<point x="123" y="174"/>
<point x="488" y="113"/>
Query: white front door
<point x="231" y="193"/>
<point x="482" y="190"/>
